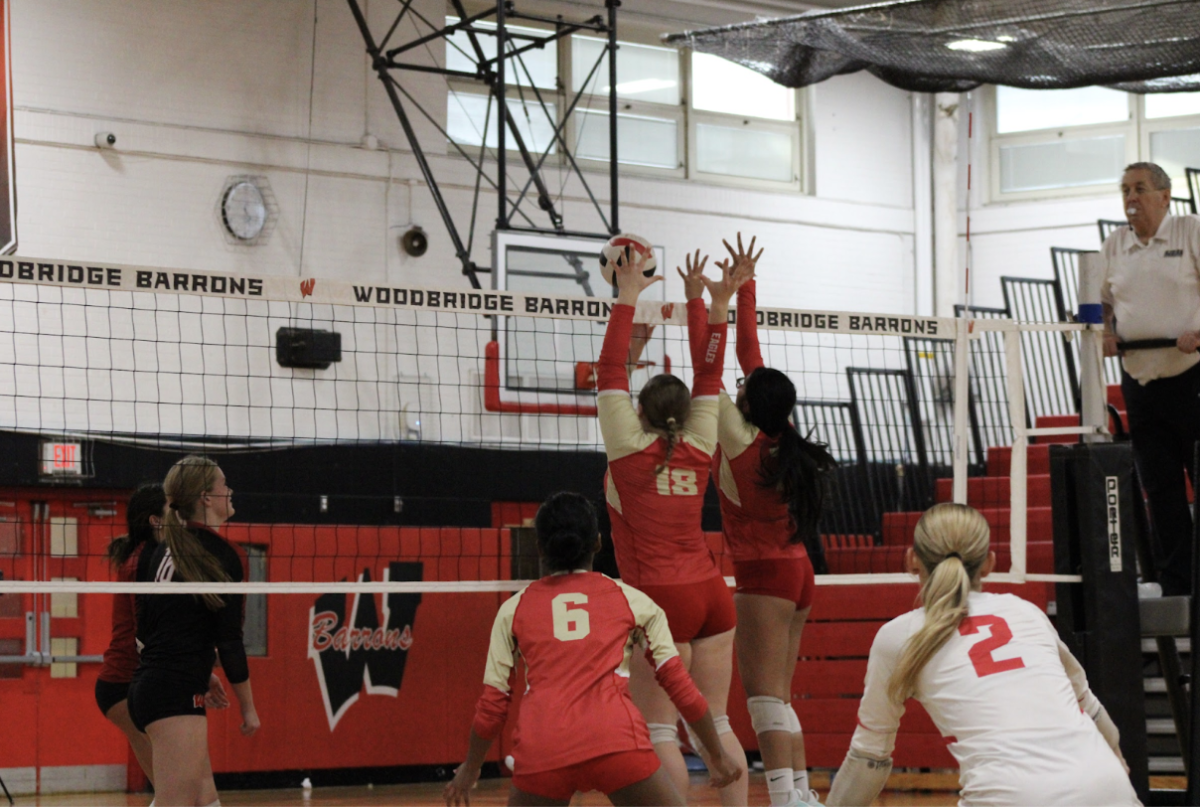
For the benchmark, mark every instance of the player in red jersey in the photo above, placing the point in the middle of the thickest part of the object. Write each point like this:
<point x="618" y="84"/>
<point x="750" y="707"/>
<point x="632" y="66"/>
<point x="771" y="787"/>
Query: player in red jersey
<point x="578" y="729"/>
<point x="769" y="484"/>
<point x="143" y="517"/>
<point x="659" y="455"/>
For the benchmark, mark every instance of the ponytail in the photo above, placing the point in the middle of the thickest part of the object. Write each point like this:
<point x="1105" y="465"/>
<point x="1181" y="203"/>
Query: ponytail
<point x="186" y="482"/>
<point x="666" y="403"/>
<point x="672" y="438"/>
<point x="797" y="466"/>
<point x="951" y="543"/>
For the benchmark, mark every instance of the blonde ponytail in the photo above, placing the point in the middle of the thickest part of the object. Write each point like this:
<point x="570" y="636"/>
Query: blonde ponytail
<point x="186" y="482"/>
<point x="951" y="543"/>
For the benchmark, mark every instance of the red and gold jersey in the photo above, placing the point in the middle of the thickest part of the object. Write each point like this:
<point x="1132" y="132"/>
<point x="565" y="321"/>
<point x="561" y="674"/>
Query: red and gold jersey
<point x="656" y="516"/>
<point x="576" y="633"/>
<point x="755" y="520"/>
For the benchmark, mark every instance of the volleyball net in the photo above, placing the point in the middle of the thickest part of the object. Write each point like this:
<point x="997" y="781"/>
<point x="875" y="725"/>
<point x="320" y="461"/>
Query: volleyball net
<point x="385" y="437"/>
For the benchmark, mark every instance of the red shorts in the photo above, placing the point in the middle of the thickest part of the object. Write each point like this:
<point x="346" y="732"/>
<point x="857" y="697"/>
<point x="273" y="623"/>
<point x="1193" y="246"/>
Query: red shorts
<point x="606" y="773"/>
<point x="786" y="578"/>
<point x="695" y="610"/>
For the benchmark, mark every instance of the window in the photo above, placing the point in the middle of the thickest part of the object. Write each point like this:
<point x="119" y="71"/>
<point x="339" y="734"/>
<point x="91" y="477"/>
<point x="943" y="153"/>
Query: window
<point x="254" y="627"/>
<point x="468" y="113"/>
<point x="714" y="120"/>
<point x="1063" y="142"/>
<point x="650" y="121"/>
<point x="743" y="124"/>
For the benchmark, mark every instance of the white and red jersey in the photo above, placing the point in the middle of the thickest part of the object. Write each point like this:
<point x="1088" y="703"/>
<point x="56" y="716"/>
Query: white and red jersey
<point x="656" y="517"/>
<point x="1006" y="695"/>
<point x="576" y="633"/>
<point x="755" y="519"/>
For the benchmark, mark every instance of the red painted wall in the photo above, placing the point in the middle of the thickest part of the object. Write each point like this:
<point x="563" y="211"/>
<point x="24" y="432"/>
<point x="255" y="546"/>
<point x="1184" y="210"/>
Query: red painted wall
<point x="55" y="721"/>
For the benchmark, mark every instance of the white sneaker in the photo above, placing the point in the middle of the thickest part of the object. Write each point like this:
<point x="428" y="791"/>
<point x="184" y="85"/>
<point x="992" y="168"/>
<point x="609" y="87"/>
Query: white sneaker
<point x="812" y="799"/>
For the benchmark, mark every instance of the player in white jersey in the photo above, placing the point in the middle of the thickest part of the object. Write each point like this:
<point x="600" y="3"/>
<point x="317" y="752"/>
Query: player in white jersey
<point x="1010" y="700"/>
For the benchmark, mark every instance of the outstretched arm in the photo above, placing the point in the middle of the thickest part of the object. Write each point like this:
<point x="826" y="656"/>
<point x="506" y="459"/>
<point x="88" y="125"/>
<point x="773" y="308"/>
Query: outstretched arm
<point x="749" y="355"/>
<point x="697" y="314"/>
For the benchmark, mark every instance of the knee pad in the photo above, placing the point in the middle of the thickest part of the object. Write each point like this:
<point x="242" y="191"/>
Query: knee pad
<point x="663" y="733"/>
<point x="768" y="714"/>
<point x="794" y="719"/>
<point x="722" y="725"/>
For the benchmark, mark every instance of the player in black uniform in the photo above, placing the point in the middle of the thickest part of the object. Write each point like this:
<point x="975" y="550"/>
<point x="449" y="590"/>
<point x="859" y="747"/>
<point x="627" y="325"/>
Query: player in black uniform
<point x="180" y="635"/>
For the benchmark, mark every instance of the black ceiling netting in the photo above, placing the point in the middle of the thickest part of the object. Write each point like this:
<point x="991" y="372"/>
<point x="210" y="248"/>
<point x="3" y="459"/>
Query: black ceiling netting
<point x="956" y="45"/>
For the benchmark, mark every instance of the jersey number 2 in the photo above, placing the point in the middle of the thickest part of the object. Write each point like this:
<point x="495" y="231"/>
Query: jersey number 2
<point x="981" y="652"/>
<point x="570" y="623"/>
<point x="677" y="482"/>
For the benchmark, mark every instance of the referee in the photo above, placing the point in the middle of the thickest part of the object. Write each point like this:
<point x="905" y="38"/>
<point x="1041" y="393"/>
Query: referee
<point x="1151" y="290"/>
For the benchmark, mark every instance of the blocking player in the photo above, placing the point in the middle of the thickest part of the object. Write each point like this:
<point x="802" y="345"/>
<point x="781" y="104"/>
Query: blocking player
<point x="181" y="634"/>
<point x="577" y="729"/>
<point x="659" y="456"/>
<point x="769" y="481"/>
<point x="1010" y="699"/>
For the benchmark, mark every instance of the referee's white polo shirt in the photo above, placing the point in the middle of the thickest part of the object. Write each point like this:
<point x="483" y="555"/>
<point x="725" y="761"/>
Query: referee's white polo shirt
<point x="1154" y="290"/>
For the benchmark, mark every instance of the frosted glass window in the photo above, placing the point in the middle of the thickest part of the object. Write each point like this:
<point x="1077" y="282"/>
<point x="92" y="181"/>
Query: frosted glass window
<point x="1172" y="104"/>
<point x="742" y="152"/>
<point x="541" y="62"/>
<point x="641" y="140"/>
<point x="1176" y="150"/>
<point x="1019" y="110"/>
<point x="719" y="85"/>
<point x="644" y="72"/>
<point x="466" y="113"/>
<point x="1062" y="164"/>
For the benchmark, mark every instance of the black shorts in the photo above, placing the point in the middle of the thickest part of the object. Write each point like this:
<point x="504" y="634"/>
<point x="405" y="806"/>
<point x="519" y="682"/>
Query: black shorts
<point x="109" y="694"/>
<point x="154" y="695"/>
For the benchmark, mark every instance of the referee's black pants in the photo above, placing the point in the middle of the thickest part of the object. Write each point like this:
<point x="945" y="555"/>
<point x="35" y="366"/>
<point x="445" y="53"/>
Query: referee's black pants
<point x="1164" y="423"/>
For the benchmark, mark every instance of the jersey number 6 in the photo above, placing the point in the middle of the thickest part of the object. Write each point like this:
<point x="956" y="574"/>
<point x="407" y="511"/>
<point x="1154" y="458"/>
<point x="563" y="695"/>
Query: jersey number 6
<point x="570" y="623"/>
<point x="981" y="652"/>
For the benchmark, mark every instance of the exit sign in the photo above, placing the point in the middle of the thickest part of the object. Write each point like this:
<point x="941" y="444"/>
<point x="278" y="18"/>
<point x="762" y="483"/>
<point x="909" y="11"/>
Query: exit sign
<point x="62" y="459"/>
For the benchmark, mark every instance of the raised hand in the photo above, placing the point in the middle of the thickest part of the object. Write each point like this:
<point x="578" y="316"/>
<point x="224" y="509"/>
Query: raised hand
<point x="741" y="256"/>
<point x="628" y="271"/>
<point x="733" y="275"/>
<point x="693" y="281"/>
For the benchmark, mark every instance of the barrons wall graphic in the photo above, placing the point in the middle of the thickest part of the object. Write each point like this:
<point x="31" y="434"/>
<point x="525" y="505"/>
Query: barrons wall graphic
<point x="361" y="651"/>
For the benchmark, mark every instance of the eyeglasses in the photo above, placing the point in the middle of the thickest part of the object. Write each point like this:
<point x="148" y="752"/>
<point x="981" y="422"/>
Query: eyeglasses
<point x="741" y="382"/>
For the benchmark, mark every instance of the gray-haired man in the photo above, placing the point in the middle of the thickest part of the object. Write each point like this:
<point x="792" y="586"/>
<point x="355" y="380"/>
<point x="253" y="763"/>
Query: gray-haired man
<point x="1151" y="290"/>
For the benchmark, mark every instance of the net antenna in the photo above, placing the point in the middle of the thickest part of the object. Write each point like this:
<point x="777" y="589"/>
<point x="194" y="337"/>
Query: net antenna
<point x="489" y="32"/>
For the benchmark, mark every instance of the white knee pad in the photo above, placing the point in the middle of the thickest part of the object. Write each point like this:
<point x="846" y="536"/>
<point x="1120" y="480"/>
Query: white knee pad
<point x="720" y="723"/>
<point x="663" y="733"/>
<point x="769" y="714"/>
<point x="794" y="719"/>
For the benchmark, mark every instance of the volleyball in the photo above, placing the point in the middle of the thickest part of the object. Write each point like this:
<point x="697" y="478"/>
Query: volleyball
<point x="617" y="246"/>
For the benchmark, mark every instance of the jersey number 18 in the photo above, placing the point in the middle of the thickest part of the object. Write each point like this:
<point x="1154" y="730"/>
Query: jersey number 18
<point x="677" y="482"/>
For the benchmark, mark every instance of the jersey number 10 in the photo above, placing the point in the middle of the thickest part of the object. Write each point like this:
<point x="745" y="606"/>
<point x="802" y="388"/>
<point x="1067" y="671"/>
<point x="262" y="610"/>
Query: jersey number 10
<point x="570" y="623"/>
